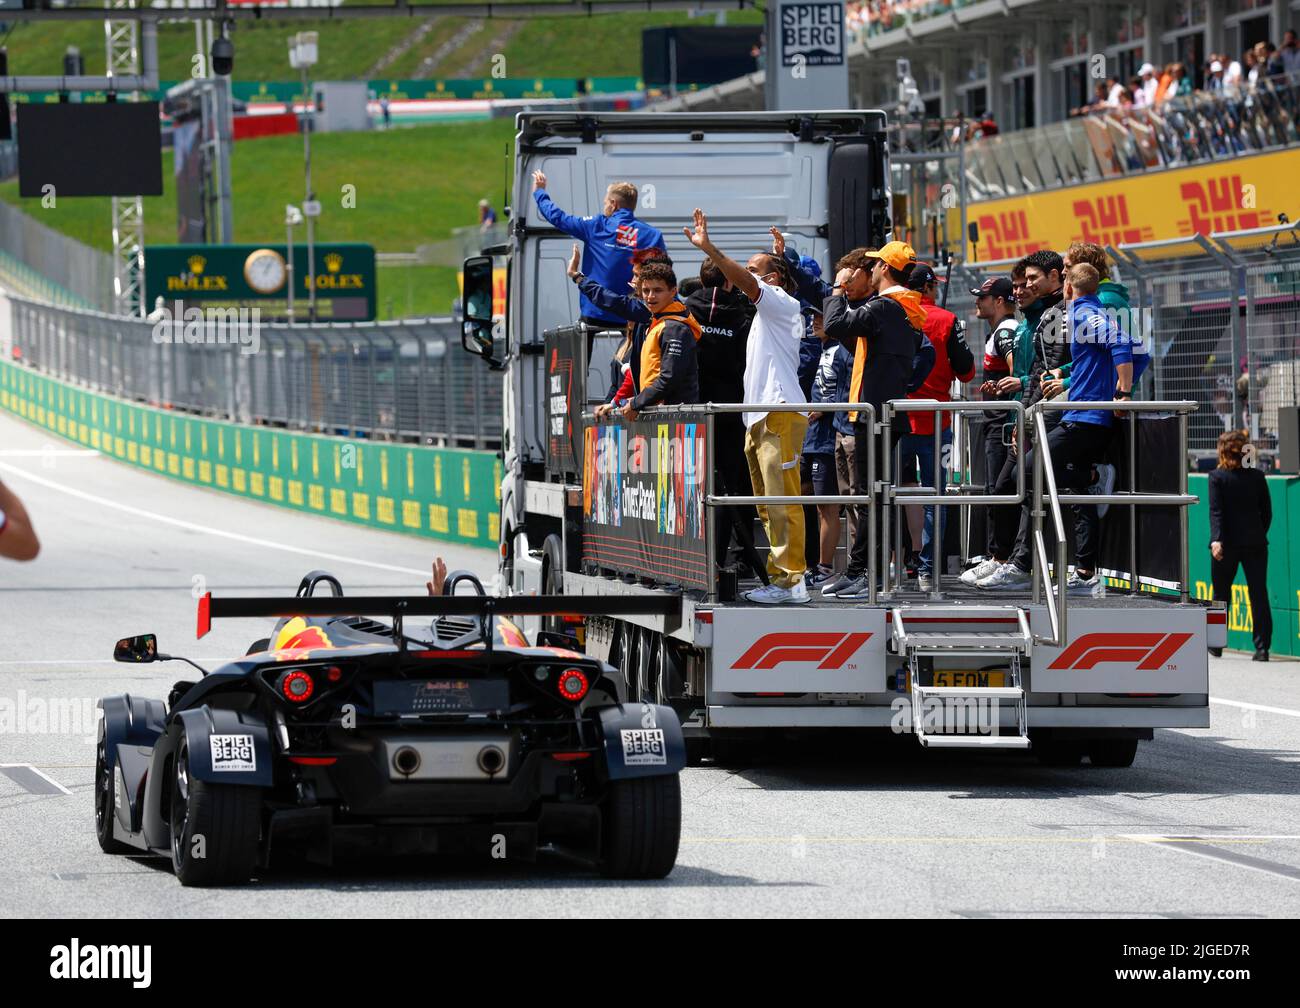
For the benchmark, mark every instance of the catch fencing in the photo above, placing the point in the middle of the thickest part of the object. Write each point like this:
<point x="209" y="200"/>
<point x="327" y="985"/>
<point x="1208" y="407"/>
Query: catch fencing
<point x="37" y="259"/>
<point x="1222" y="325"/>
<point x="397" y="381"/>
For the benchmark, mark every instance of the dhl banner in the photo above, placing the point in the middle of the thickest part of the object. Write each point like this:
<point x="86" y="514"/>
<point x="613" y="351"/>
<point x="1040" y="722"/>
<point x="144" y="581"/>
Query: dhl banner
<point x="442" y="493"/>
<point x="1228" y="195"/>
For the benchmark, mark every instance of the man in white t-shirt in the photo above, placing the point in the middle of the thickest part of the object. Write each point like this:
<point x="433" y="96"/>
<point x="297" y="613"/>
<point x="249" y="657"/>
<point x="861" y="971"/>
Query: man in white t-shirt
<point x="1150" y="84"/>
<point x="773" y="440"/>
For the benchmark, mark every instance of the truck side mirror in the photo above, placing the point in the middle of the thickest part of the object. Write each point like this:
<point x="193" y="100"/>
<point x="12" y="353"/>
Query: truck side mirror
<point x="476" y="331"/>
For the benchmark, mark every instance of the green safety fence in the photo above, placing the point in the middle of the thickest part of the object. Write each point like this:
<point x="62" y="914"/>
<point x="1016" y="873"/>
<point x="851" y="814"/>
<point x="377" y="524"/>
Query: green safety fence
<point x="1283" y="566"/>
<point x="441" y="493"/>
<point x="280" y="92"/>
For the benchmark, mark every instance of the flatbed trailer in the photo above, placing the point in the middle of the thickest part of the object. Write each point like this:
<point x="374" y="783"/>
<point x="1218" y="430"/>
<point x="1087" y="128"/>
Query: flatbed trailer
<point x="1068" y="677"/>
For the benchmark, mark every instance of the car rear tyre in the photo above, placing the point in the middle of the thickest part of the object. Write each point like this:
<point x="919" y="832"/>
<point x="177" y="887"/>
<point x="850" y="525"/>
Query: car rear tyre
<point x="1119" y="752"/>
<point x="642" y="827"/>
<point x="105" y="811"/>
<point x="214" y="827"/>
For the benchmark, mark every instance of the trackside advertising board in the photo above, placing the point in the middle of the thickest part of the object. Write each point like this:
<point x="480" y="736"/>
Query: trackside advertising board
<point x="643" y="488"/>
<point x="440" y="493"/>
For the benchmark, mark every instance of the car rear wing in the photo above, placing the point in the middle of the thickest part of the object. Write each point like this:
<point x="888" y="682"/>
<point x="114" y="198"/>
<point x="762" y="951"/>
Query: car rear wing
<point x="398" y="607"/>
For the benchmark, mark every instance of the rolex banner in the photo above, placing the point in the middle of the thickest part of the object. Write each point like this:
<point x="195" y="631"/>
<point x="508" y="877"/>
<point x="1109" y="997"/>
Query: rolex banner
<point x="258" y="276"/>
<point x="643" y="489"/>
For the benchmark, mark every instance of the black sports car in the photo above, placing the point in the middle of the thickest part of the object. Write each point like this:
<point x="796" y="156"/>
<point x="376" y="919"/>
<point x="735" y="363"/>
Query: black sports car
<point x="340" y="731"/>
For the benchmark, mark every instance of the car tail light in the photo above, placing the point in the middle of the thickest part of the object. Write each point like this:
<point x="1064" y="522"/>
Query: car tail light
<point x="297" y="686"/>
<point x="572" y="684"/>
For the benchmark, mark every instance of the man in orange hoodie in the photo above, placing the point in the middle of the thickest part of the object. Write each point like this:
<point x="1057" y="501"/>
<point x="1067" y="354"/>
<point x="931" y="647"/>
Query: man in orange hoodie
<point x="886" y="337"/>
<point x="669" y="372"/>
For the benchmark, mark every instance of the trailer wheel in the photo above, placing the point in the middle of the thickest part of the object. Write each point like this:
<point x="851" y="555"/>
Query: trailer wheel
<point x="1113" y="752"/>
<point x="553" y="580"/>
<point x="642" y="827"/>
<point x="647" y="666"/>
<point x="1059" y="752"/>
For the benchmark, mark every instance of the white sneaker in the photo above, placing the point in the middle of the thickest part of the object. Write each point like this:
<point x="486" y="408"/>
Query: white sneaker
<point x="980" y="571"/>
<point x="776" y="595"/>
<point x="1082" y="587"/>
<point x="1008" y="575"/>
<point x="1104" y="487"/>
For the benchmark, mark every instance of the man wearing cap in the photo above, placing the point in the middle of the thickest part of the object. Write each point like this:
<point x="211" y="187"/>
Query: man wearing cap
<point x="952" y="361"/>
<point x="885" y="336"/>
<point x="1150" y="84"/>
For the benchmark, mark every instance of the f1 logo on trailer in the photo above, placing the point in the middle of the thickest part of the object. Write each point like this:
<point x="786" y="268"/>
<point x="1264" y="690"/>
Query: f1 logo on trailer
<point x="830" y="650"/>
<point x="1149" y="651"/>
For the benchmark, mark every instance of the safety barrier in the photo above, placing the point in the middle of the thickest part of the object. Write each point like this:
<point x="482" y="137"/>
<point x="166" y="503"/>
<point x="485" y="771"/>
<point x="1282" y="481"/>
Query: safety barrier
<point x="440" y="493"/>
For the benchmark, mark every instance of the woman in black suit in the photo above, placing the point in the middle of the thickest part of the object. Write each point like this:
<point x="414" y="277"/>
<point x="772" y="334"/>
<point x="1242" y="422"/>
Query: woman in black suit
<point x="1240" y="513"/>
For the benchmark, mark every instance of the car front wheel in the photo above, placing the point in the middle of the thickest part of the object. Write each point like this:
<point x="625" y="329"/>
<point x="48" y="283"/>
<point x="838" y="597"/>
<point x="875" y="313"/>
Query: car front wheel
<point x="214" y="827"/>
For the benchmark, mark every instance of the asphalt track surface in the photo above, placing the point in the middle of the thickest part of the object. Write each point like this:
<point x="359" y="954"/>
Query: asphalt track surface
<point x="1206" y="823"/>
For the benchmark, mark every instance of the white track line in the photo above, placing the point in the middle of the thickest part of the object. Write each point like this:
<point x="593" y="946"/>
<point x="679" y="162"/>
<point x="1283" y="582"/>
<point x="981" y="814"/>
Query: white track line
<point x="206" y="529"/>
<point x="1254" y="706"/>
<point x="43" y="452"/>
<point x="27" y="766"/>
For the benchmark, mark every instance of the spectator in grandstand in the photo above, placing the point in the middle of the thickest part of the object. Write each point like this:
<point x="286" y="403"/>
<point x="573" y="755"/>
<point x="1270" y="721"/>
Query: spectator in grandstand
<point x="1103" y="370"/>
<point x="772" y="439"/>
<point x="1233" y="75"/>
<point x="17" y="536"/>
<point x="1240" y="514"/>
<point x="1150" y="84"/>
<point x="724" y="315"/>
<point x="953" y="361"/>
<point x="1007" y="352"/>
<point x="486" y="215"/>
<point x="1214" y="76"/>
<point x="1267" y="61"/>
<point x="886" y="338"/>
<point x="1290" y="53"/>
<point x="610" y="238"/>
<point x="817" y="468"/>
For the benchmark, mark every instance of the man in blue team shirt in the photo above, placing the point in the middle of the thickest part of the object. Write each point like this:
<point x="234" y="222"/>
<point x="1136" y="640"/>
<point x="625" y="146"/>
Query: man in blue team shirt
<point x="611" y="238"/>
<point x="1102" y="370"/>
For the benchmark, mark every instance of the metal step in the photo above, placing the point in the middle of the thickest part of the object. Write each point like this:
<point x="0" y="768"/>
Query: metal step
<point x="974" y="741"/>
<point x="972" y="692"/>
<point x="942" y="640"/>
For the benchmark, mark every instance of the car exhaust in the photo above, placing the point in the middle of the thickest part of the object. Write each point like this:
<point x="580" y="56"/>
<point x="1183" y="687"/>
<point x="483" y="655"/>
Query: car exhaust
<point x="407" y="760"/>
<point x="491" y="760"/>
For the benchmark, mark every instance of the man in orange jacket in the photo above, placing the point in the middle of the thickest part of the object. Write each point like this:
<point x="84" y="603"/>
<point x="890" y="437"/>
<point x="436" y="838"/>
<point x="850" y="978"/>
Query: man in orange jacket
<point x="952" y="360"/>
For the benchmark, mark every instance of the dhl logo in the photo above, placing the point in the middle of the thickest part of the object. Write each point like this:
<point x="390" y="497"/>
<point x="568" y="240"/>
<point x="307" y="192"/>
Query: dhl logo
<point x="1220" y="204"/>
<point x="1007" y="235"/>
<point x="1105" y="221"/>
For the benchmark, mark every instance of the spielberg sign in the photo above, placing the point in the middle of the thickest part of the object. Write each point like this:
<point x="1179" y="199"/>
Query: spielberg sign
<point x="643" y="488"/>
<point x="812" y="34"/>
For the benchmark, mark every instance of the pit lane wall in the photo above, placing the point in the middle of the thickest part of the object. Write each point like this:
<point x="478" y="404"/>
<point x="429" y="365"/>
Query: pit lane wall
<point x="1283" y="566"/>
<point x="440" y="493"/>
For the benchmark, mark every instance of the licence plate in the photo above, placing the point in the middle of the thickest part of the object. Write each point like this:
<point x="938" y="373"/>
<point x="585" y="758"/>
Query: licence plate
<point x="443" y="695"/>
<point x="969" y="678"/>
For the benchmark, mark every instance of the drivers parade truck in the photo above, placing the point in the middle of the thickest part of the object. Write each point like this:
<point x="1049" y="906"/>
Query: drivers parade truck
<point x="610" y="507"/>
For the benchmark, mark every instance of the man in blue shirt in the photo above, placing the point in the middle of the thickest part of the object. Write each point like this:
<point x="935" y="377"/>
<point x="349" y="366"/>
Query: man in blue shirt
<point x="611" y="238"/>
<point x="1102" y="370"/>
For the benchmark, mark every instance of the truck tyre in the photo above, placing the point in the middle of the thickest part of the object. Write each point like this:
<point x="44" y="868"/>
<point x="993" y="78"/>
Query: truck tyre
<point x="1059" y="752"/>
<point x="553" y="580"/>
<point x="105" y="805"/>
<point x="642" y="827"/>
<point x="215" y="828"/>
<point x="1112" y="752"/>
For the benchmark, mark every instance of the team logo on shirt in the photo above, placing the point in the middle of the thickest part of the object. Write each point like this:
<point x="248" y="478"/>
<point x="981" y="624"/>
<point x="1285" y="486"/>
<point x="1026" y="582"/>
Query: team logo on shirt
<point x="626" y="236"/>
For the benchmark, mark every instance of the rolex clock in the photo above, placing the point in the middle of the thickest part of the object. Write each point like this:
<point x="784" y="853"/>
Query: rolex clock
<point x="265" y="271"/>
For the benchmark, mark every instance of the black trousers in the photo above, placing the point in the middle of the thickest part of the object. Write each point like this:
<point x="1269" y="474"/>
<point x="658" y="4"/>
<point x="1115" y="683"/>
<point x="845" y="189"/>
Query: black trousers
<point x="1254" y="560"/>
<point x="999" y="478"/>
<point x="860" y="558"/>
<point x="1076" y="448"/>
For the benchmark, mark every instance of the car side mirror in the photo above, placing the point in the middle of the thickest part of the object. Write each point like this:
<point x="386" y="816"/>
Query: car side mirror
<point x="137" y="650"/>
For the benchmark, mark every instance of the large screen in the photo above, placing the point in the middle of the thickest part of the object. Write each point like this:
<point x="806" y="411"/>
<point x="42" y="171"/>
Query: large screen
<point x="90" y="149"/>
